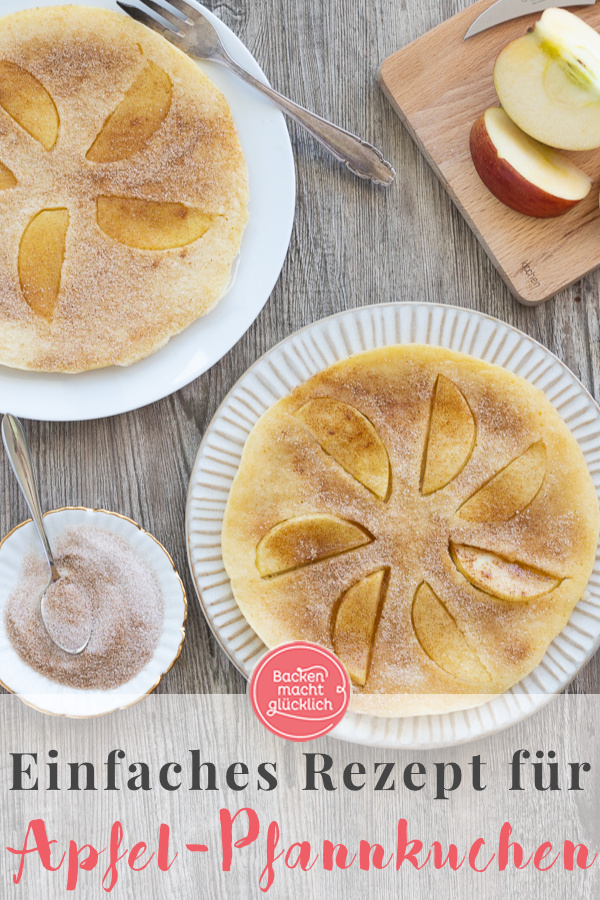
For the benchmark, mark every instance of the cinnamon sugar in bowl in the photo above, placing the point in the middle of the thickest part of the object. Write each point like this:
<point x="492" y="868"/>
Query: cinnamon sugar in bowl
<point x="140" y="614"/>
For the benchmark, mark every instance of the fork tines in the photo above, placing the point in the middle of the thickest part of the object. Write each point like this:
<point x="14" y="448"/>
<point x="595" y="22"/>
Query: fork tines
<point x="166" y="30"/>
<point x="174" y="12"/>
<point x="172" y="17"/>
<point x="191" y="13"/>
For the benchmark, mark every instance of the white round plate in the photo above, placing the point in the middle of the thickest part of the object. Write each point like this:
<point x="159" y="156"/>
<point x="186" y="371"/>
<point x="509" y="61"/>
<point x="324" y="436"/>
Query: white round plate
<point x="59" y="699"/>
<point x="272" y="184"/>
<point x="304" y="354"/>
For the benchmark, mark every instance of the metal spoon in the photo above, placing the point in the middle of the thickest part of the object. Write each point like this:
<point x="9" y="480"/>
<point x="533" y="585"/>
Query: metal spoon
<point x="19" y="455"/>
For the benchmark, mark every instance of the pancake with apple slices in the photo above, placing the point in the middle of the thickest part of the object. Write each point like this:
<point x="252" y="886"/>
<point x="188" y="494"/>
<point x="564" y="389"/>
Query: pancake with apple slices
<point x="426" y="516"/>
<point x="527" y="176"/>
<point x="548" y="81"/>
<point x="123" y="190"/>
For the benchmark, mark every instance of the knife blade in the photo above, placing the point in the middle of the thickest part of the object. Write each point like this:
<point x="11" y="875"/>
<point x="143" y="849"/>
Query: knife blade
<point x="505" y="10"/>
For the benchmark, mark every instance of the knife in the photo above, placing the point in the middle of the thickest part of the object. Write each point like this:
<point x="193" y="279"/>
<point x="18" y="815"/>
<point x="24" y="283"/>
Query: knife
<point x="505" y="10"/>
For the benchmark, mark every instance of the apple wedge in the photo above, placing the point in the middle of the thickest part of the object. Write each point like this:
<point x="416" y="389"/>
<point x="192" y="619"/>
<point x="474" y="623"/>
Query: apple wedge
<point x="355" y="623"/>
<point x="500" y="577"/>
<point x="521" y="172"/>
<point x="548" y="81"/>
<point x="306" y="539"/>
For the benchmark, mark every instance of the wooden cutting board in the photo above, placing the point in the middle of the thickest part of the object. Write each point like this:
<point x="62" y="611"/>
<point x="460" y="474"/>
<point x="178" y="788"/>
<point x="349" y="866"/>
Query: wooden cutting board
<point x="439" y="85"/>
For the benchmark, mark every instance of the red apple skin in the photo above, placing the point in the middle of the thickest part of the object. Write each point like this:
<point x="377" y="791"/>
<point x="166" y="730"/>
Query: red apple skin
<point x="507" y="184"/>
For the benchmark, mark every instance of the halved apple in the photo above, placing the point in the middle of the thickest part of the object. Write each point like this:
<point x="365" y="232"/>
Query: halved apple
<point x="548" y="81"/>
<point x="521" y="172"/>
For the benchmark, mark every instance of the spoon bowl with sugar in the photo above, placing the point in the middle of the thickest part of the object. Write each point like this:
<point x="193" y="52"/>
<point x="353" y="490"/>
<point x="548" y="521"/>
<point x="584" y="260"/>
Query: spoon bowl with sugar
<point x="66" y="612"/>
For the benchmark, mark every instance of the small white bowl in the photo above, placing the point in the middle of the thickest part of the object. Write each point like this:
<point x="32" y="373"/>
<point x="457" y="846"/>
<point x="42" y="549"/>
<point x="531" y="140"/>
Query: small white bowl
<point x="58" y="699"/>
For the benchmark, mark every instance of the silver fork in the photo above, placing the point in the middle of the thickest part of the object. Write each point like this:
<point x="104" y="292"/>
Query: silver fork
<point x="187" y="28"/>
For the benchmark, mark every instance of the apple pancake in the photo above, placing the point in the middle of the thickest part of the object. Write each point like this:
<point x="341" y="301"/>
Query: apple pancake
<point x="123" y="190"/>
<point x="427" y="516"/>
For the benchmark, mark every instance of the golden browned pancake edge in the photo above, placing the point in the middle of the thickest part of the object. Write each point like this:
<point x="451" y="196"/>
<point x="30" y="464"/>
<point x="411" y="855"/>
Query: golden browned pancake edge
<point x="441" y="580"/>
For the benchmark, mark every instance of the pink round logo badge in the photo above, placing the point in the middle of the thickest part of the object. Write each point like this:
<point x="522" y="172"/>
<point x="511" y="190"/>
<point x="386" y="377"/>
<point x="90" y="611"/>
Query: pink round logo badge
<point x="299" y="691"/>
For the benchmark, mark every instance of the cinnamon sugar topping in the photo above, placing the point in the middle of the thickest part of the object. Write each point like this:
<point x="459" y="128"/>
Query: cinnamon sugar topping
<point x="103" y="574"/>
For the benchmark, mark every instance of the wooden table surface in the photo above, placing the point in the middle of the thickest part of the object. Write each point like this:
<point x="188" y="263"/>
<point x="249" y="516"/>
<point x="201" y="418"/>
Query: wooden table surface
<point x="352" y="245"/>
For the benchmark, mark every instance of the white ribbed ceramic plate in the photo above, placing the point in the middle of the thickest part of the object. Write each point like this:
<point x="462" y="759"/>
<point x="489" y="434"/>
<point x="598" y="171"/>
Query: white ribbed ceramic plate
<point x="58" y="699"/>
<point x="306" y="353"/>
